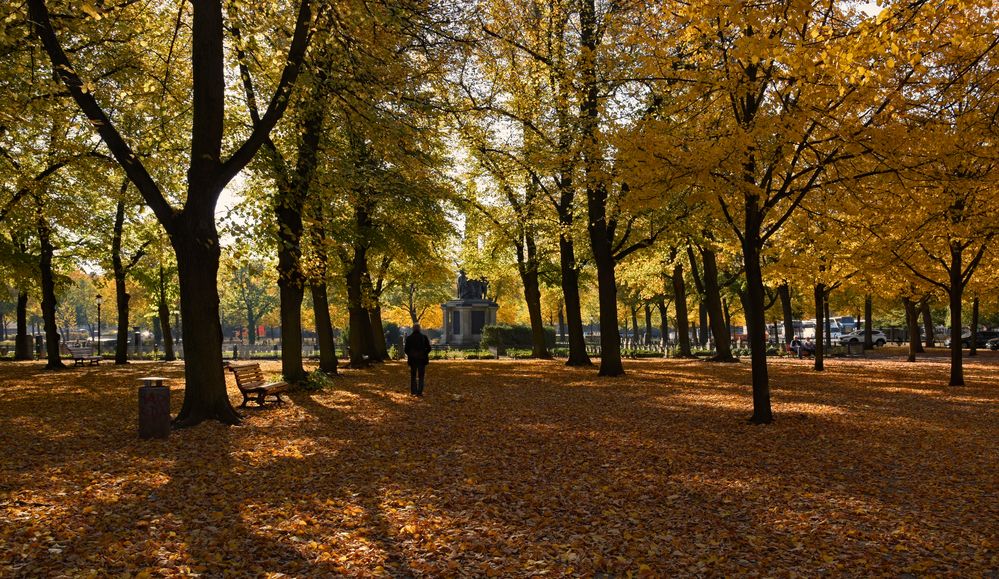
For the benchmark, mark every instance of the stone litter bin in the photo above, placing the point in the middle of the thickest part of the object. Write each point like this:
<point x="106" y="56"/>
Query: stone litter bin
<point x="154" y="408"/>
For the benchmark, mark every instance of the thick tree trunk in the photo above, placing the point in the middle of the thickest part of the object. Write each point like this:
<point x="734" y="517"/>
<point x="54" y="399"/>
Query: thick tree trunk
<point x="819" y="295"/>
<point x="912" y="328"/>
<point x="324" y="330"/>
<point x="663" y="324"/>
<point x="755" y="319"/>
<point x="956" y="295"/>
<point x="121" y="300"/>
<point x="119" y="271"/>
<point x="680" y="304"/>
<point x="702" y="323"/>
<point x="22" y="341"/>
<point x="291" y="295"/>
<point x="54" y="360"/>
<point x="596" y="194"/>
<point x="164" y="314"/>
<point x="784" y="291"/>
<point x="361" y="345"/>
<point x="532" y="295"/>
<point x="378" y="332"/>
<point x="288" y="210"/>
<point x="573" y="309"/>
<point x="868" y="322"/>
<point x="610" y="336"/>
<point x="973" y="349"/>
<point x="716" y="314"/>
<point x="647" y="339"/>
<point x="196" y="245"/>
<point x="927" y="323"/>
<point x="634" y="327"/>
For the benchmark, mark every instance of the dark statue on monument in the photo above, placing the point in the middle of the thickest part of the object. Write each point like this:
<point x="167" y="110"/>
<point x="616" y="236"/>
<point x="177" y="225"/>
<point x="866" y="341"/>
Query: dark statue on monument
<point x="465" y="316"/>
<point x="471" y="289"/>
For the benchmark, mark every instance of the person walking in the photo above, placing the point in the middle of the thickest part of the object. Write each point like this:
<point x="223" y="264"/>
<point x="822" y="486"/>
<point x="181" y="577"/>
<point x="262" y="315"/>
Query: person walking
<point x="417" y="348"/>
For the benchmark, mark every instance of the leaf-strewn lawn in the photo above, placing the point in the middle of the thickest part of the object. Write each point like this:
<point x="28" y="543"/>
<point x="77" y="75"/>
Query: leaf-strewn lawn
<point x="512" y="469"/>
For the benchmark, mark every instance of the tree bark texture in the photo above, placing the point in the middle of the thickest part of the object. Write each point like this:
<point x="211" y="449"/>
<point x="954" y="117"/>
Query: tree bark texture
<point x="324" y="330"/>
<point x="22" y="341"/>
<point x="680" y="304"/>
<point x="927" y="323"/>
<point x="820" y="300"/>
<point x="956" y="295"/>
<point x="912" y="328"/>
<point x="164" y="315"/>
<point x="53" y="357"/>
<point x="716" y="313"/>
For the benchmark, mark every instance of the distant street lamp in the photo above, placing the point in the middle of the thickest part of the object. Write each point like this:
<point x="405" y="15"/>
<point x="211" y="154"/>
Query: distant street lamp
<point x="100" y="300"/>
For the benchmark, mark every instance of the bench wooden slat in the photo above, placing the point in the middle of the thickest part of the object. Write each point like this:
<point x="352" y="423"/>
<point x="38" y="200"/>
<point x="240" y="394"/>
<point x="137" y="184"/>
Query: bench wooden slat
<point x="81" y="354"/>
<point x="250" y="380"/>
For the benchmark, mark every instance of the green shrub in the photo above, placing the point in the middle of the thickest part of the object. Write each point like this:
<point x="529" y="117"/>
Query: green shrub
<point x="316" y="381"/>
<point x="394" y="353"/>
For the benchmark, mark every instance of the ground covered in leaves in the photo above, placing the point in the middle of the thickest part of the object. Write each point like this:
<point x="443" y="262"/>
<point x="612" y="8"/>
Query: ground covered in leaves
<point x="505" y="468"/>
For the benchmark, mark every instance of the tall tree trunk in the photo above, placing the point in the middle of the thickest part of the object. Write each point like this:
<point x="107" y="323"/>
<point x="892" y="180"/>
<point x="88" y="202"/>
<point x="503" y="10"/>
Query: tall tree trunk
<point x="868" y="322"/>
<point x="820" y="295"/>
<point x="755" y="318"/>
<point x="196" y="245"/>
<point x="361" y="345"/>
<point x="680" y="304"/>
<point x="573" y="309"/>
<point x="634" y="326"/>
<point x="54" y="360"/>
<point x="927" y="323"/>
<point x="120" y="291"/>
<point x="648" y="324"/>
<point x="973" y="349"/>
<point x="596" y="194"/>
<point x="164" y="314"/>
<point x="291" y="291"/>
<point x="918" y="343"/>
<point x="784" y="292"/>
<point x="956" y="295"/>
<point x="702" y="323"/>
<point x="121" y="300"/>
<point x="251" y="330"/>
<point x="716" y="314"/>
<point x="22" y="341"/>
<point x="251" y="324"/>
<point x="527" y="266"/>
<point x="912" y="328"/>
<point x="324" y="330"/>
<point x="378" y="332"/>
<point x="663" y="323"/>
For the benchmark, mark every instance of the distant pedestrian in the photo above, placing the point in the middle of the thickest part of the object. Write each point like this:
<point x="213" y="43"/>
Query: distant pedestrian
<point x="417" y="348"/>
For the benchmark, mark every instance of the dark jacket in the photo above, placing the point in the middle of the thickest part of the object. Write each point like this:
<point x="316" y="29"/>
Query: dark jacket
<point x="417" y="349"/>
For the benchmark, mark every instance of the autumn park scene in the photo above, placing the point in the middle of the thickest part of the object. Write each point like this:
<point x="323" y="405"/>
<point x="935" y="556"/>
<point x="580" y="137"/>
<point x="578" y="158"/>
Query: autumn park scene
<point x="499" y="288"/>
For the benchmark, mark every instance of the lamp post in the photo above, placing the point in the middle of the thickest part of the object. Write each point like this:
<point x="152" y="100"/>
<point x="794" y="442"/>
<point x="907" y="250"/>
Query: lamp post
<point x="100" y="300"/>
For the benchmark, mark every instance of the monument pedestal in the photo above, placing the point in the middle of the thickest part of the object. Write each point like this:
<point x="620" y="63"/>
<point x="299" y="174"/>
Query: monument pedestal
<point x="464" y="320"/>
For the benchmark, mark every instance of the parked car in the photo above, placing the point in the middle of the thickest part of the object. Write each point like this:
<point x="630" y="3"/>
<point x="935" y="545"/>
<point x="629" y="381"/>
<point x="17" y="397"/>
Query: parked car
<point x="877" y="336"/>
<point x="993" y="344"/>
<point x="982" y="341"/>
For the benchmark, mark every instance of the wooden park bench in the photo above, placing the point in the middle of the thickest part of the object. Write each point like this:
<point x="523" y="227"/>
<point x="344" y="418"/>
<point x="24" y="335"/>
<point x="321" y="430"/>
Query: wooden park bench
<point x="81" y="355"/>
<point x="250" y="381"/>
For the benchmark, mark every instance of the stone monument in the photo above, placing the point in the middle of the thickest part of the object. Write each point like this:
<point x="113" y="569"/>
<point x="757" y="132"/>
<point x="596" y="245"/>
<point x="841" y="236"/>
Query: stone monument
<point x="465" y="316"/>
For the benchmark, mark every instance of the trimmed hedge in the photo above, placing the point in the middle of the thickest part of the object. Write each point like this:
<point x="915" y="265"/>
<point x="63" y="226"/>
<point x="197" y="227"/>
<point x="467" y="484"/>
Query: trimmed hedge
<point x="512" y="336"/>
